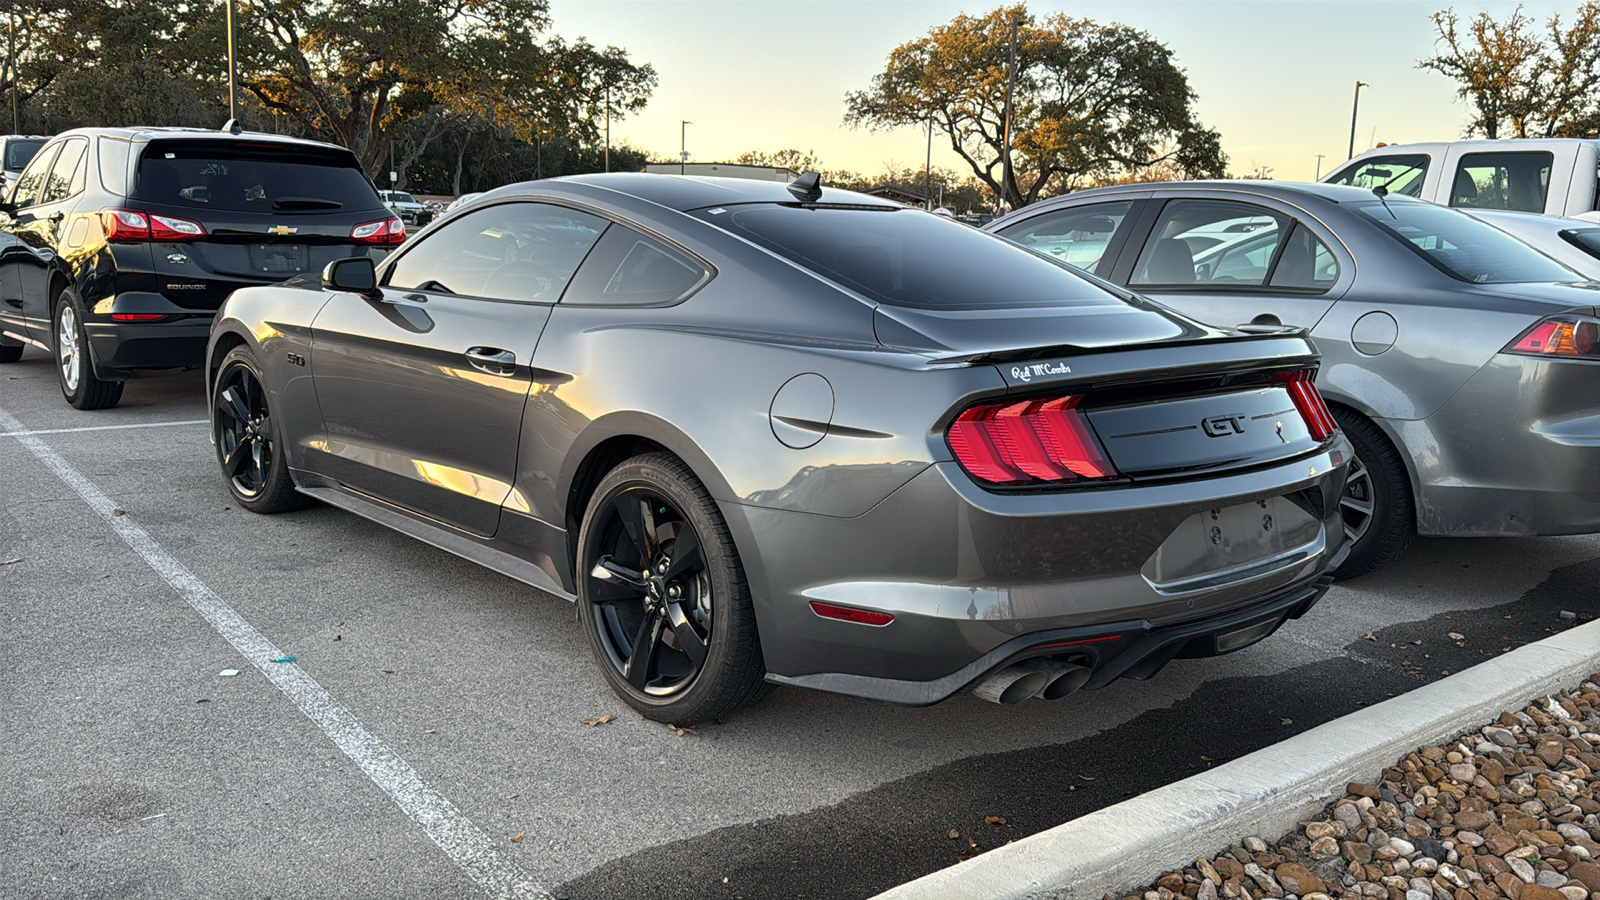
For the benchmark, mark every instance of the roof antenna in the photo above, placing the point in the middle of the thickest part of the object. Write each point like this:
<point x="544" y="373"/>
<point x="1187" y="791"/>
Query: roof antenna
<point x="807" y="188"/>
<point x="232" y="126"/>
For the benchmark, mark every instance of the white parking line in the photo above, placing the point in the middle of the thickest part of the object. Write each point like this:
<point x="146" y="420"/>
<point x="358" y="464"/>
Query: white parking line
<point x="466" y="845"/>
<point x="20" y="432"/>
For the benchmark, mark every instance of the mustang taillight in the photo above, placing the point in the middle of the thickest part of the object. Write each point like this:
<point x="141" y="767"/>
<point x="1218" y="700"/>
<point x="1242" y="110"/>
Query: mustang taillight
<point x="1569" y="336"/>
<point x="126" y="226"/>
<point x="1028" y="442"/>
<point x="384" y="231"/>
<point x="1306" y="399"/>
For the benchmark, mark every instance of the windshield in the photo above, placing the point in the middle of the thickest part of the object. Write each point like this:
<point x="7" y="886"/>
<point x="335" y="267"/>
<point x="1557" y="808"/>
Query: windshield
<point x="252" y="178"/>
<point x="1396" y="174"/>
<point x="20" y="153"/>
<point x="401" y="197"/>
<point x="906" y="257"/>
<point x="1463" y="247"/>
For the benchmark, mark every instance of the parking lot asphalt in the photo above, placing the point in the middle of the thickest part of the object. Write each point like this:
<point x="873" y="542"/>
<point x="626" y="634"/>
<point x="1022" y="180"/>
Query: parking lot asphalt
<point x="446" y="752"/>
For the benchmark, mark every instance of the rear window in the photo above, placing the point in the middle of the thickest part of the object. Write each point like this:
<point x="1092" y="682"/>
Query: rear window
<point x="1463" y="247"/>
<point x="242" y="177"/>
<point x="20" y="153"/>
<point x="906" y="257"/>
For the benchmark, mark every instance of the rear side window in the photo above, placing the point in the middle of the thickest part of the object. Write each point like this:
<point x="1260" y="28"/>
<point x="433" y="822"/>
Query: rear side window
<point x="510" y="251"/>
<point x="1078" y="236"/>
<point x="1517" y="180"/>
<point x="1585" y="239"/>
<point x="252" y="177"/>
<point x="906" y="257"/>
<point x="629" y="269"/>
<point x="65" y="171"/>
<point x="114" y="165"/>
<point x="1398" y="174"/>
<point x="1305" y="264"/>
<point x="1462" y="247"/>
<point x="1217" y="243"/>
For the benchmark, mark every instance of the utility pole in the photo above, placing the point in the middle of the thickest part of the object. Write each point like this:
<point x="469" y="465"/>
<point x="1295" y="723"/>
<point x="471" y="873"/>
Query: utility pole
<point x="683" y="152"/>
<point x="1318" y="176"/>
<point x="608" y="127"/>
<point x="11" y="64"/>
<point x="1355" y="105"/>
<point x="927" y="168"/>
<point x="233" y="105"/>
<point x="1005" y="147"/>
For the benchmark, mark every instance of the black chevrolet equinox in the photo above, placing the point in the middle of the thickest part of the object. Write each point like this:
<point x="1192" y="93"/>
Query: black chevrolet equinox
<point x="117" y="245"/>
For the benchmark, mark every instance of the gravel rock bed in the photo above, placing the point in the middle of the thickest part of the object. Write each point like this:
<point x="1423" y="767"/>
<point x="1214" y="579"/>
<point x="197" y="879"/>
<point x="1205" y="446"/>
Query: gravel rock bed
<point x="1509" y="811"/>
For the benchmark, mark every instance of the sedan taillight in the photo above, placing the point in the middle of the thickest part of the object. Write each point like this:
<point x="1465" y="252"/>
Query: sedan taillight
<point x="127" y="226"/>
<point x="1028" y="442"/>
<point x="383" y="232"/>
<point x="1569" y="336"/>
<point x="1319" y="421"/>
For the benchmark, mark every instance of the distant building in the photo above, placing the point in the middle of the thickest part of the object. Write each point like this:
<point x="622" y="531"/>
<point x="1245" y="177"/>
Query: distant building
<point x="725" y="170"/>
<point x="899" y="195"/>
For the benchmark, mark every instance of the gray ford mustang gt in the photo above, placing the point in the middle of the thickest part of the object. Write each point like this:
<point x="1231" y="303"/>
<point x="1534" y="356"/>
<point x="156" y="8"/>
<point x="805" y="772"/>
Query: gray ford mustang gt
<point x="780" y="434"/>
<point x="1460" y="361"/>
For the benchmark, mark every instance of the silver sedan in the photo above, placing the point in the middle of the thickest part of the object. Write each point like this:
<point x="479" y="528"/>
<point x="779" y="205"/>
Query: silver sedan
<point x="1572" y="241"/>
<point x="1461" y="362"/>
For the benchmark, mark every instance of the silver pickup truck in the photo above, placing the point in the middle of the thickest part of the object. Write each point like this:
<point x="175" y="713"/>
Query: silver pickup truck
<point x="1551" y="176"/>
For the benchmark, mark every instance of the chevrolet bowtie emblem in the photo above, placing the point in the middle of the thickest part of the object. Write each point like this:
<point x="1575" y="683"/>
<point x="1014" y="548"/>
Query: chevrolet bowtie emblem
<point x="281" y="229"/>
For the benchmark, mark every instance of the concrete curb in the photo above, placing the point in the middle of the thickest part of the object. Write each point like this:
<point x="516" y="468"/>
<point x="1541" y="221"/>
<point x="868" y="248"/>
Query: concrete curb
<point x="1266" y="793"/>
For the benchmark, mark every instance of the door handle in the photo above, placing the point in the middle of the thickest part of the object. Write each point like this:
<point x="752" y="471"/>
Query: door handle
<point x="492" y="360"/>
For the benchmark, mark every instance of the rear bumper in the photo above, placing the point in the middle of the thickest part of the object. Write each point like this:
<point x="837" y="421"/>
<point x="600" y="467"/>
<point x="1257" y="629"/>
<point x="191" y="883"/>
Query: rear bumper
<point x="119" y="347"/>
<point x="973" y="578"/>
<point x="1515" y="452"/>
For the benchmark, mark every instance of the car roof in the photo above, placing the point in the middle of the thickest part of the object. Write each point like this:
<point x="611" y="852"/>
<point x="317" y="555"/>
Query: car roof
<point x="145" y="134"/>
<point x="686" y="192"/>
<point x="1291" y="191"/>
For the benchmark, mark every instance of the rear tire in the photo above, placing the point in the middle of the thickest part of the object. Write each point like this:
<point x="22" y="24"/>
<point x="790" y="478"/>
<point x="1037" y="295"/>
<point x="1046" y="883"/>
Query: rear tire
<point x="74" y="368"/>
<point x="1377" y="507"/>
<point x="670" y="620"/>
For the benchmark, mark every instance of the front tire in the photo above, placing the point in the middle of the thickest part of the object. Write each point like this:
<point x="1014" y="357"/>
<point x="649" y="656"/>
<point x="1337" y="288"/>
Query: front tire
<point x="74" y="369"/>
<point x="1377" y="508"/>
<point x="663" y="597"/>
<point x="247" y="440"/>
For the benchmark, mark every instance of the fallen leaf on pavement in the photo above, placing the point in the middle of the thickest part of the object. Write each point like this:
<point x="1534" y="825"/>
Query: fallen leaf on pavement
<point x="1456" y="636"/>
<point x="519" y="837"/>
<point x="686" y="729"/>
<point x="954" y="834"/>
<point x="1370" y="636"/>
<point x="995" y="820"/>
<point x="598" y="720"/>
<point x="10" y="562"/>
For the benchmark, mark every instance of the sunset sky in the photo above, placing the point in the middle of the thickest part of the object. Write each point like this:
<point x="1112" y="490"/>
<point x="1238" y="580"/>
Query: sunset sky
<point x="1275" y="77"/>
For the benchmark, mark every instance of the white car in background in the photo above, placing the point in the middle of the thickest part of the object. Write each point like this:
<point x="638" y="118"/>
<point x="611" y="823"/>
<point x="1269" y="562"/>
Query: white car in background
<point x="405" y="206"/>
<point x="1571" y="241"/>
<point x="463" y="200"/>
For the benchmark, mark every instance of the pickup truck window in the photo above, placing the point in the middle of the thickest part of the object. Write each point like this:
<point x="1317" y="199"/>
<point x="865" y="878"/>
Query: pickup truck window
<point x="1518" y="180"/>
<point x="1400" y="174"/>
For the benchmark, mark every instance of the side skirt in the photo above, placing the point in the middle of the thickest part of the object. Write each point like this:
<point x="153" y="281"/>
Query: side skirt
<point x="447" y="540"/>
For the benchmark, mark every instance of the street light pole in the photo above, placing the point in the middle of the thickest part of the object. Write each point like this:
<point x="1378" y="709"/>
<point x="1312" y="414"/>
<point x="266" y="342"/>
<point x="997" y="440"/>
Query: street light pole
<point x="927" y="168"/>
<point x="1005" y="147"/>
<point x="233" y="105"/>
<point x="1355" y="105"/>
<point x="11" y="63"/>
<point x="608" y="127"/>
<point x="683" y="152"/>
<point x="1318" y="176"/>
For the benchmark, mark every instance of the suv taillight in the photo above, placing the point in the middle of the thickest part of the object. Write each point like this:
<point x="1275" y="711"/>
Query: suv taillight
<point x="1028" y="442"/>
<point x="384" y="231"/>
<point x="1319" y="421"/>
<point x="124" y="226"/>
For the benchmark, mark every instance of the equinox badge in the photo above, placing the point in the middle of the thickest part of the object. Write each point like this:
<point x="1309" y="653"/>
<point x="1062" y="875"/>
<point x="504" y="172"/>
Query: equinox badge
<point x="1222" y="426"/>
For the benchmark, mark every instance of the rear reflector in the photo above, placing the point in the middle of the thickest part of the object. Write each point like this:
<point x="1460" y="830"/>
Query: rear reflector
<point x="1097" y="640"/>
<point x="137" y="317"/>
<point x="1041" y="441"/>
<point x="850" y="614"/>
<point x="1306" y="399"/>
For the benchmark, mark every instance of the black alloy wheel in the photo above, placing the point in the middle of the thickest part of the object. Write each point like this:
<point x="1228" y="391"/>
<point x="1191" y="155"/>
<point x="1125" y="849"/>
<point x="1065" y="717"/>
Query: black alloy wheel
<point x="246" y="438"/>
<point x="663" y="598"/>
<point x="1376" y="506"/>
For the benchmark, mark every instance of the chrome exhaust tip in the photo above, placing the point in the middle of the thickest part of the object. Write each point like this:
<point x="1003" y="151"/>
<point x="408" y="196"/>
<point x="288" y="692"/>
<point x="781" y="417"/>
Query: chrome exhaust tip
<point x="1065" y="679"/>
<point x="1012" y="684"/>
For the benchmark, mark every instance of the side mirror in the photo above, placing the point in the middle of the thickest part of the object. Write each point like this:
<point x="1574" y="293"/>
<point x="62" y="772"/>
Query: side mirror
<point x="356" y="275"/>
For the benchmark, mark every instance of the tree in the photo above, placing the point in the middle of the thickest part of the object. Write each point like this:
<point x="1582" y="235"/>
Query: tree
<point x="789" y="158"/>
<point x="1522" y="83"/>
<point x="1090" y="101"/>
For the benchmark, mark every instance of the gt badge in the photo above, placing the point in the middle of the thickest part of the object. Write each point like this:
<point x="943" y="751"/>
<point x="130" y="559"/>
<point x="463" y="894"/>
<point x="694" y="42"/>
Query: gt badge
<point x="1222" y="426"/>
